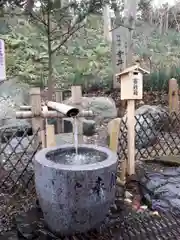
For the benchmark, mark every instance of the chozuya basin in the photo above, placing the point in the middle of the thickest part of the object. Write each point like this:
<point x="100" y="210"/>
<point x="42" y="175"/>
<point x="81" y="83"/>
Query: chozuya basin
<point x="75" y="198"/>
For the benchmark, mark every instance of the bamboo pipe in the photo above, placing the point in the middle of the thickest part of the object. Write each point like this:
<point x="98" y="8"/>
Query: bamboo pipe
<point x="67" y="110"/>
<point x="28" y="107"/>
<point x="50" y="114"/>
<point x="24" y="107"/>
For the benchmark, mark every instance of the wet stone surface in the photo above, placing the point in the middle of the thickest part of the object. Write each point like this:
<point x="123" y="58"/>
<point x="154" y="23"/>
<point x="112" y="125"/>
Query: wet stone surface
<point x="161" y="188"/>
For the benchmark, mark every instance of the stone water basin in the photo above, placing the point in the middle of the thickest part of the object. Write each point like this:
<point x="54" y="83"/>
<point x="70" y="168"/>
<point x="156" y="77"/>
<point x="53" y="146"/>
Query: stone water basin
<point x="75" y="194"/>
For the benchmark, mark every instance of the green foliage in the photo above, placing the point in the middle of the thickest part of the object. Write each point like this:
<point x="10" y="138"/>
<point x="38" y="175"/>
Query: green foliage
<point x="160" y="53"/>
<point x="85" y="59"/>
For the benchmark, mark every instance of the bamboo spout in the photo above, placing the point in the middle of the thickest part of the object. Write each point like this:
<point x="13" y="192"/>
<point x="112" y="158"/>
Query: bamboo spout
<point x="67" y="110"/>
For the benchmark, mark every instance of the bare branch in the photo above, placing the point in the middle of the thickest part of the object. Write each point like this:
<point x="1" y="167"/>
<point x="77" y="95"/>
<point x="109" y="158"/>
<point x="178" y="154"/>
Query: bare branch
<point x="67" y="36"/>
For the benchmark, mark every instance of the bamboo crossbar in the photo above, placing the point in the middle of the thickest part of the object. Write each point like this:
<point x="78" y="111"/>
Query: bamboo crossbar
<point x="67" y="110"/>
<point x="50" y="114"/>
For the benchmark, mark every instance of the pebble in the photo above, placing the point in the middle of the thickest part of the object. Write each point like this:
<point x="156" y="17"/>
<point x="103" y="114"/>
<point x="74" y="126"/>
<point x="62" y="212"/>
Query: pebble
<point x="127" y="200"/>
<point x="155" y="213"/>
<point x="144" y="207"/>
<point x="128" y="195"/>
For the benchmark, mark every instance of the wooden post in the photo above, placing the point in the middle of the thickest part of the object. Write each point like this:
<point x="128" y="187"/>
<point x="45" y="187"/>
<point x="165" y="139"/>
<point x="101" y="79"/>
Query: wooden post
<point x="173" y="96"/>
<point x="131" y="90"/>
<point x="60" y="122"/>
<point x="131" y="136"/>
<point x="50" y="136"/>
<point x="76" y="92"/>
<point x="130" y="10"/>
<point x="114" y="134"/>
<point x="36" y="110"/>
<point x="44" y="132"/>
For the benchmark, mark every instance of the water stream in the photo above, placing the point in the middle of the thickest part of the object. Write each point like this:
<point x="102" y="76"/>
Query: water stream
<point x="79" y="157"/>
<point x="75" y="132"/>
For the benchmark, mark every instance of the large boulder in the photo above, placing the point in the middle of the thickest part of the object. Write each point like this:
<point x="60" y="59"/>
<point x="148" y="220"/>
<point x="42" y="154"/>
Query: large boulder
<point x="89" y="126"/>
<point x="149" y="121"/>
<point x="12" y="96"/>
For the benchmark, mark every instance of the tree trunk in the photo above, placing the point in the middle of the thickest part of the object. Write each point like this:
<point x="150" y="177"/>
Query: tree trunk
<point x="50" y="83"/>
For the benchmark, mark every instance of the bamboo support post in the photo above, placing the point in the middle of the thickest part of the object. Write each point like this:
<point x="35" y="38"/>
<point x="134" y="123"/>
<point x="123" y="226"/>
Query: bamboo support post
<point x="36" y="112"/>
<point x="76" y="93"/>
<point x="173" y="96"/>
<point x="113" y="130"/>
<point x="60" y="122"/>
<point x="114" y="134"/>
<point x="44" y="131"/>
<point x="50" y="136"/>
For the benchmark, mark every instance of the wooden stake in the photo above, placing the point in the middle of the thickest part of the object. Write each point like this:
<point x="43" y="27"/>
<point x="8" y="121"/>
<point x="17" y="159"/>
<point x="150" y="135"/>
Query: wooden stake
<point x="114" y="134"/>
<point x="50" y="136"/>
<point x="76" y="94"/>
<point x="130" y="9"/>
<point x="60" y="122"/>
<point x="173" y="96"/>
<point x="131" y="136"/>
<point x="45" y="123"/>
<point x="36" y="111"/>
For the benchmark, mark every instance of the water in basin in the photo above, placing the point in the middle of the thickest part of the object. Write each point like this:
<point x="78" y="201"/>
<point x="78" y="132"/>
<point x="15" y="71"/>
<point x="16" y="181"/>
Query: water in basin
<point x="71" y="157"/>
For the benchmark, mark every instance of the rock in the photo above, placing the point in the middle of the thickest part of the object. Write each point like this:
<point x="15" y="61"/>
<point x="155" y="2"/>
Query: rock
<point x="44" y="234"/>
<point x="15" y="128"/>
<point x="128" y="195"/>
<point x="12" y="96"/>
<point x="27" y="223"/>
<point x="89" y="126"/>
<point x="148" y="120"/>
<point x="147" y="126"/>
<point x="10" y="235"/>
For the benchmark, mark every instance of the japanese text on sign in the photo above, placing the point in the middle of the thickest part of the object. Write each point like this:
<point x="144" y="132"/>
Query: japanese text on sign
<point x="119" y="53"/>
<point x="135" y="86"/>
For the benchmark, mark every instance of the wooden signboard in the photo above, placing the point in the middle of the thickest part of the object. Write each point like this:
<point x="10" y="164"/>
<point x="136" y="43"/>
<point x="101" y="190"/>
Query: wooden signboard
<point x="132" y="86"/>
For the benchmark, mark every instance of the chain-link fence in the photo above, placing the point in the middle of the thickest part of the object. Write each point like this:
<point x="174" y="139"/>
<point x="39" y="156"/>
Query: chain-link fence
<point x="18" y="148"/>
